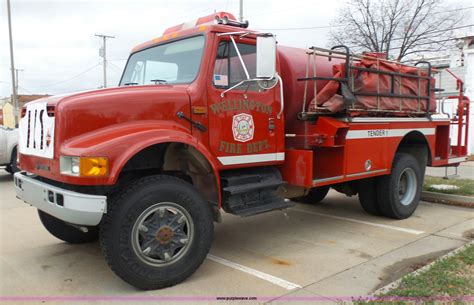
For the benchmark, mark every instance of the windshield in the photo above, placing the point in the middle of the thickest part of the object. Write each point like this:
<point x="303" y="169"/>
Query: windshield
<point x="174" y="62"/>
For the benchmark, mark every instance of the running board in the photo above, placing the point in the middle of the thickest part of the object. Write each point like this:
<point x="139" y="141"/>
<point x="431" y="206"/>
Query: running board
<point x="262" y="207"/>
<point x="248" y="192"/>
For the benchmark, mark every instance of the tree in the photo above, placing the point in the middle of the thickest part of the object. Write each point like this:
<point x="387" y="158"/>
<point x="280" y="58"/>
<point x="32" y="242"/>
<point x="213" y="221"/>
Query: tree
<point x="399" y="28"/>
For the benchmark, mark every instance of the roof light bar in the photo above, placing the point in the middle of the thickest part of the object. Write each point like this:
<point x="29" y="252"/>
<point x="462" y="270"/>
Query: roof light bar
<point x="216" y="18"/>
<point x="227" y="21"/>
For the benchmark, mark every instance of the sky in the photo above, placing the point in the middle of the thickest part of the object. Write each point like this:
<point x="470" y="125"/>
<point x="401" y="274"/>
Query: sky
<point x="55" y="47"/>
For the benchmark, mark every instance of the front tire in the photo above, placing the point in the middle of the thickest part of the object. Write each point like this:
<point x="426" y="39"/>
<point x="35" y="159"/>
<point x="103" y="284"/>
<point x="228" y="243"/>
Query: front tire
<point x="314" y="196"/>
<point x="66" y="232"/>
<point x="399" y="193"/>
<point x="157" y="232"/>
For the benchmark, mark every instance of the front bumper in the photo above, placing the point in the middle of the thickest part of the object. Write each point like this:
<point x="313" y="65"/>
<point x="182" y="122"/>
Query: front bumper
<point x="69" y="206"/>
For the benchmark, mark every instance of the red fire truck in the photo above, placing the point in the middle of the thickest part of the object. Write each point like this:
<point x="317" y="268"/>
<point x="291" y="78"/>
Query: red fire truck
<point x="212" y="116"/>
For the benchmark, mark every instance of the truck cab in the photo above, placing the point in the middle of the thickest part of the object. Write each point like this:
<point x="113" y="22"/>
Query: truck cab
<point x="188" y="106"/>
<point x="178" y="88"/>
<point x="212" y="116"/>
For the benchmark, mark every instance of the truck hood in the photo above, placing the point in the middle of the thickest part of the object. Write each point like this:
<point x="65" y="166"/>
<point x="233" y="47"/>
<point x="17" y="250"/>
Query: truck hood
<point x="84" y="112"/>
<point x="54" y="100"/>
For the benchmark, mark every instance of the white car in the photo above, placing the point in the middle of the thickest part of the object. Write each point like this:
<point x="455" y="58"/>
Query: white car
<point x="8" y="148"/>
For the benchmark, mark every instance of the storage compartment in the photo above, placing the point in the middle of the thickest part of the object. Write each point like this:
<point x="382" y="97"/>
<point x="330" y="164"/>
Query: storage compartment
<point x="328" y="165"/>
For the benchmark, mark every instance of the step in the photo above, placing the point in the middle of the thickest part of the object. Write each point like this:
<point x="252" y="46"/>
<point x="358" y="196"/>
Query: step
<point x="253" y="191"/>
<point x="244" y="178"/>
<point x="243" y="188"/>
<point x="250" y="210"/>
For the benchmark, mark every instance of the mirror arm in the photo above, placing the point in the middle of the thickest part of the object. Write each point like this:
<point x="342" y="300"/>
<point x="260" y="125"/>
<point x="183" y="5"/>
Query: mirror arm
<point x="243" y="82"/>
<point x="240" y="57"/>
<point x="282" y="101"/>
<point x="235" y="86"/>
<point x="237" y="33"/>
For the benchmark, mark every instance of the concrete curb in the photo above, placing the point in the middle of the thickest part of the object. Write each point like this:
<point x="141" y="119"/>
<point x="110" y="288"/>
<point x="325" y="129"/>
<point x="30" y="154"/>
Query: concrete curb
<point x="464" y="201"/>
<point x="396" y="283"/>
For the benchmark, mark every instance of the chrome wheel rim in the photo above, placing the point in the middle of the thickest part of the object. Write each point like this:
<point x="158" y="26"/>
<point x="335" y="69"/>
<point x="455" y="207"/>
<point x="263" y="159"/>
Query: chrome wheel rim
<point x="407" y="186"/>
<point x="162" y="234"/>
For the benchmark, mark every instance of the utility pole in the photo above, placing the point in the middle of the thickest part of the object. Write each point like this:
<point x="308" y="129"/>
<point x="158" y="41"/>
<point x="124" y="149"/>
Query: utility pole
<point x="17" y="79"/>
<point x="241" y="10"/>
<point x="103" y="54"/>
<point x="12" y="63"/>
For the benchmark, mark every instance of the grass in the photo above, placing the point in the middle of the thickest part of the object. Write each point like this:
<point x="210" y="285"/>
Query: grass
<point x="451" y="278"/>
<point x="466" y="186"/>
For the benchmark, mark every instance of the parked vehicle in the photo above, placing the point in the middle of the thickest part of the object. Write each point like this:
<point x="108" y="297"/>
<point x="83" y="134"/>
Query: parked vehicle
<point x="8" y="148"/>
<point x="216" y="117"/>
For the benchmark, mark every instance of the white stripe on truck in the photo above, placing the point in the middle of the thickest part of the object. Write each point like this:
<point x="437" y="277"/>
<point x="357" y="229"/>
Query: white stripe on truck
<point x="386" y="133"/>
<point x="244" y="159"/>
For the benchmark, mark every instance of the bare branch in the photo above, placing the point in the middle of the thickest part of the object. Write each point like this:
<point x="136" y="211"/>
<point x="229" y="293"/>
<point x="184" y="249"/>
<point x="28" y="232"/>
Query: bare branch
<point x="399" y="28"/>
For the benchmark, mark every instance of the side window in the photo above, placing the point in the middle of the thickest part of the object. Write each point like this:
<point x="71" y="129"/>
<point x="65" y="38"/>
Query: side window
<point x="221" y="66"/>
<point x="228" y="70"/>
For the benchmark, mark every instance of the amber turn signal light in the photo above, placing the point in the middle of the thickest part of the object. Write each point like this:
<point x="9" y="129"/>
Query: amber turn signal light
<point x="93" y="166"/>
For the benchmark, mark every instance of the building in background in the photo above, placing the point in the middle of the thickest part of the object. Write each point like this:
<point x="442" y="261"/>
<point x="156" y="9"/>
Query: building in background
<point x="7" y="113"/>
<point x="461" y="63"/>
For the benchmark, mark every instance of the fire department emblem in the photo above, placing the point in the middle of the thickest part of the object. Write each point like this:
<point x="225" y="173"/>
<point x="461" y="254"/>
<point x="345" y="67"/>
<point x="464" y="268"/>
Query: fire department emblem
<point x="243" y="127"/>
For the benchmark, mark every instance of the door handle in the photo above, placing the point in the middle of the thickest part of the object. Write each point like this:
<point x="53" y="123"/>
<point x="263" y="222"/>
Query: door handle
<point x="198" y="125"/>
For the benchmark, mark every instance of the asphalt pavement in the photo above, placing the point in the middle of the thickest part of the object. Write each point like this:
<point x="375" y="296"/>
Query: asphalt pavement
<point x="325" y="253"/>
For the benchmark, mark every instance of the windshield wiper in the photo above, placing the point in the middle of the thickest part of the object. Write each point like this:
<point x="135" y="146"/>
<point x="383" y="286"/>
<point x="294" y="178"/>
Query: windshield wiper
<point x="130" y="84"/>
<point x="156" y="81"/>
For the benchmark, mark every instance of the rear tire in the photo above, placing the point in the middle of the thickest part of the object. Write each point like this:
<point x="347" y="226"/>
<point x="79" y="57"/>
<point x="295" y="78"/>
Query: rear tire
<point x="399" y="193"/>
<point x="157" y="232"/>
<point x="66" y="232"/>
<point x="315" y="195"/>
<point x="367" y="189"/>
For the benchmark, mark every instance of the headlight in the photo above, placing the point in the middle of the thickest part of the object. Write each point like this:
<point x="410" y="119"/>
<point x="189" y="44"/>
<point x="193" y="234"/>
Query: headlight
<point x="84" y="166"/>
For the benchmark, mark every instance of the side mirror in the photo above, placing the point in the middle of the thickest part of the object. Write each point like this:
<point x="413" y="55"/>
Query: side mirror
<point x="266" y="56"/>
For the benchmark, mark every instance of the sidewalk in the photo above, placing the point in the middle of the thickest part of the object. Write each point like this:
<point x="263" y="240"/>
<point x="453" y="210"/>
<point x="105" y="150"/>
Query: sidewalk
<point x="465" y="171"/>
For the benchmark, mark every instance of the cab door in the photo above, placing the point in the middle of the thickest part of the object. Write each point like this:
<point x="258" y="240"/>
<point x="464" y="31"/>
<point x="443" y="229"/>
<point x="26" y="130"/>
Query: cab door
<point x="244" y="129"/>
